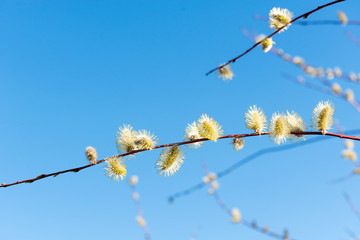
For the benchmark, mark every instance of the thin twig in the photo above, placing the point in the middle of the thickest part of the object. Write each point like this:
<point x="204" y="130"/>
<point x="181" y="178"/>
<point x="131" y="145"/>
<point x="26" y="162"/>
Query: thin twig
<point x="42" y="176"/>
<point x="139" y="210"/>
<point x="315" y="22"/>
<point x="352" y="37"/>
<point x="352" y="205"/>
<point x="305" y="15"/>
<point x="248" y="159"/>
<point x="327" y="90"/>
<point x="286" y="57"/>
<point x="249" y="224"/>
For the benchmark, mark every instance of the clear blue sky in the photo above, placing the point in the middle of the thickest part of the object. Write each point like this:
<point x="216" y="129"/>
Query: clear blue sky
<point x="72" y="72"/>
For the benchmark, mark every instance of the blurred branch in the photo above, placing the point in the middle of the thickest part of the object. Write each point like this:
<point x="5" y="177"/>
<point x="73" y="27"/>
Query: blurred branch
<point x="305" y="15"/>
<point x="248" y="159"/>
<point x="314" y="22"/>
<point x="141" y="220"/>
<point x="349" y="77"/>
<point x="252" y="225"/>
<point x="352" y="37"/>
<point x="352" y="205"/>
<point x="327" y="90"/>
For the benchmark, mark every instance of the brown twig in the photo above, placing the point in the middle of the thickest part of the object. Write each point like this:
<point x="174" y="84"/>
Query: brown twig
<point x="315" y="22"/>
<point x="42" y="176"/>
<point x="305" y="15"/>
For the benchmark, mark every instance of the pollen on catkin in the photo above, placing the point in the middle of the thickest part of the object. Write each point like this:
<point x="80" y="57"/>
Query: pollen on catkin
<point x="170" y="160"/>
<point x="342" y="17"/>
<point x="279" y="128"/>
<point x="91" y="154"/>
<point x="125" y="139"/>
<point x="235" y="215"/>
<point x="266" y="43"/>
<point x="115" y="168"/>
<point x="255" y="119"/>
<point x="238" y="143"/>
<point x="322" y="118"/>
<point x="208" y="128"/>
<point x="225" y="72"/>
<point x="144" y="140"/>
<point x="296" y="124"/>
<point x="280" y="18"/>
<point x="192" y="133"/>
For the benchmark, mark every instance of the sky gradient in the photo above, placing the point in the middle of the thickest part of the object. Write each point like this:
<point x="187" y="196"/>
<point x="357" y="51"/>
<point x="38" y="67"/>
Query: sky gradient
<point x="72" y="72"/>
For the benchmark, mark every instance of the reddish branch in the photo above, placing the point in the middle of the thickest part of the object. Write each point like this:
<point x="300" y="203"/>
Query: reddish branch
<point x="305" y="15"/>
<point x="42" y="176"/>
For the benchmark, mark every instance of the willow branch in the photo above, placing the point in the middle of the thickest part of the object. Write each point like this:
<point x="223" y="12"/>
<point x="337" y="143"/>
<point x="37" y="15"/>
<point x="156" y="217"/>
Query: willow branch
<point x="42" y="176"/>
<point x="252" y="225"/>
<point x="315" y="22"/>
<point x="352" y="205"/>
<point x="305" y="15"/>
<point x="248" y="159"/>
<point x="327" y="90"/>
<point x="287" y="58"/>
<point x="147" y="234"/>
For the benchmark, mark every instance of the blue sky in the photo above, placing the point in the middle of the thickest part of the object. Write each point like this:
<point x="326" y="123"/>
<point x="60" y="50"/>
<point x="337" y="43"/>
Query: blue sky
<point x="72" y="72"/>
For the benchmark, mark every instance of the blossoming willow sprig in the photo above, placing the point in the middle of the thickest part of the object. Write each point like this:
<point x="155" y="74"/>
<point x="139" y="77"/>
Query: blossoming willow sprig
<point x="311" y="70"/>
<point x="235" y="214"/>
<point x="117" y="170"/>
<point x="347" y="96"/>
<point x="128" y="140"/>
<point x="342" y="20"/>
<point x="234" y="166"/>
<point x="140" y="219"/>
<point x="322" y="75"/>
<point x="305" y="15"/>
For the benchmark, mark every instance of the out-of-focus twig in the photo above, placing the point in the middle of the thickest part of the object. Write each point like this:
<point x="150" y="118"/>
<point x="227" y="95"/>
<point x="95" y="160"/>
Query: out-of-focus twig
<point x="248" y="159"/>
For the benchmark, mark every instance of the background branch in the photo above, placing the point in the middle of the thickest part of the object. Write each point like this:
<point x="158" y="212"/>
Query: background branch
<point x="305" y="15"/>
